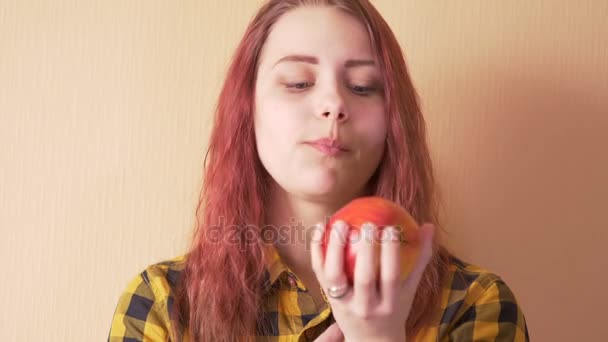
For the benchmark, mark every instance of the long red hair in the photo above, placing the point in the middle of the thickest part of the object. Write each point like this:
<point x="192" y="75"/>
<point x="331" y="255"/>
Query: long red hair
<point x="219" y="295"/>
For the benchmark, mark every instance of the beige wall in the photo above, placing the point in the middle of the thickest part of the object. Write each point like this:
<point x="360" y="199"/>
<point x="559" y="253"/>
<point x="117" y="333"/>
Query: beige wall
<point x="105" y="109"/>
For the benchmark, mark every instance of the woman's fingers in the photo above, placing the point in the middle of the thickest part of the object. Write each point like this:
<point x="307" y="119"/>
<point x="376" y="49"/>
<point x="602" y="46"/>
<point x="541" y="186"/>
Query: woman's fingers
<point x="386" y="257"/>
<point x="316" y="252"/>
<point x="333" y="274"/>
<point x="390" y="265"/>
<point x="366" y="267"/>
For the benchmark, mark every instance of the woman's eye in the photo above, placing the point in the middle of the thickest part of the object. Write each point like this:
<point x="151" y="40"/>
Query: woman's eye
<point x="359" y="90"/>
<point x="299" y="85"/>
<point x="362" y="90"/>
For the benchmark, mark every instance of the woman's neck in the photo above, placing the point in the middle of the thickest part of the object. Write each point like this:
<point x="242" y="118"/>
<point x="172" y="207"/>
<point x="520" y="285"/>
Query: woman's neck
<point x="292" y="221"/>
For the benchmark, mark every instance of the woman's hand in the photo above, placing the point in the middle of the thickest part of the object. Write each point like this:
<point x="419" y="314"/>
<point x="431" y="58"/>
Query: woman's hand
<point x="331" y="334"/>
<point x="367" y="312"/>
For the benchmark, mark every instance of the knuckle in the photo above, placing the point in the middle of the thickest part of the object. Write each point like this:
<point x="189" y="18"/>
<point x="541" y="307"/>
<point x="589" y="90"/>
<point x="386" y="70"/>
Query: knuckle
<point x="366" y="283"/>
<point x="363" y="312"/>
<point x="391" y="279"/>
<point x="333" y="276"/>
<point x="386" y="309"/>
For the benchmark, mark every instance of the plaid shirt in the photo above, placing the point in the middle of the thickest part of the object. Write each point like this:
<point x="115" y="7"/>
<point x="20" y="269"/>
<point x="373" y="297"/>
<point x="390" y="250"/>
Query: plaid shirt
<point x="476" y="305"/>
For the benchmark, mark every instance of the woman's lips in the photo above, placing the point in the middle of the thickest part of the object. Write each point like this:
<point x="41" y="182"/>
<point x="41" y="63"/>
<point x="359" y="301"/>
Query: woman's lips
<point x="328" y="150"/>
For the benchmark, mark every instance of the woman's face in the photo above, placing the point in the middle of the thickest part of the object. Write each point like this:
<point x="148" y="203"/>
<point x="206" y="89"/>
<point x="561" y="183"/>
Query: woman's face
<point x="318" y="78"/>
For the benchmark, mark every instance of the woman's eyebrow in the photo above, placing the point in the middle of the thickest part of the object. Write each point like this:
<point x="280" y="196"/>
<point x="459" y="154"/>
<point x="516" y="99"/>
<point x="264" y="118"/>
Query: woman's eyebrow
<point x="351" y="63"/>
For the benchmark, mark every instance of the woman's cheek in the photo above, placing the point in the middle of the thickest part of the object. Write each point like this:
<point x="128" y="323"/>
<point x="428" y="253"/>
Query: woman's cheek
<point x="289" y="117"/>
<point x="279" y="128"/>
<point x="373" y="127"/>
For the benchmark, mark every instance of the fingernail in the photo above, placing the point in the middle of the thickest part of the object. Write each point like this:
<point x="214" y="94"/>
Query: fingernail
<point x="367" y="229"/>
<point x="386" y="234"/>
<point x="340" y="227"/>
<point x="393" y="234"/>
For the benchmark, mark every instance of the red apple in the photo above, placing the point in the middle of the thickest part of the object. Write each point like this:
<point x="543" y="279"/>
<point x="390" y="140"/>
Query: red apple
<point x="382" y="213"/>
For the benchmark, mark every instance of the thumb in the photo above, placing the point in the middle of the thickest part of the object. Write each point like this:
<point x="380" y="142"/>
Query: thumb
<point x="331" y="334"/>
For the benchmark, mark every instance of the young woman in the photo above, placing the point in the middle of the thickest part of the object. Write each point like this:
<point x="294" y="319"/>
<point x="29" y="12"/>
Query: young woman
<point x="317" y="109"/>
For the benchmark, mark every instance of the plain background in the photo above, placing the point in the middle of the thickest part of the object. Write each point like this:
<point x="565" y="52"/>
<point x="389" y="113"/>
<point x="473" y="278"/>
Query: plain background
<point x="105" y="111"/>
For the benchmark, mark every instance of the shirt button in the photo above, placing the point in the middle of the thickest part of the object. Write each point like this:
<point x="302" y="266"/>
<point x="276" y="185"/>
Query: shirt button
<point x="292" y="281"/>
<point x="309" y="334"/>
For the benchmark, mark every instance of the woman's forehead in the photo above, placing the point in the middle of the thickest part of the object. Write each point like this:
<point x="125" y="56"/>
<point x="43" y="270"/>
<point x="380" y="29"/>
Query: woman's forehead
<point x="330" y="34"/>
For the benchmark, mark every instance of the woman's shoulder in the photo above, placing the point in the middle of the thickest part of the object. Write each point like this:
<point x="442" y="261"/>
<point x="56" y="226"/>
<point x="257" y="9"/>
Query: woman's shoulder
<point x="161" y="277"/>
<point x="168" y="268"/>
<point x="478" y="301"/>
<point x="143" y="307"/>
<point x="463" y="275"/>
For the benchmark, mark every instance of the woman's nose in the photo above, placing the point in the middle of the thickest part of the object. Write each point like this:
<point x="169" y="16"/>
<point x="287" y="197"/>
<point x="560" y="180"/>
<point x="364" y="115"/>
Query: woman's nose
<point x="333" y="107"/>
<point x="335" y="115"/>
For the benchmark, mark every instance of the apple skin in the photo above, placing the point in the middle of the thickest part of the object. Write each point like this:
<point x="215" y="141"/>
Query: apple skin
<point x="382" y="213"/>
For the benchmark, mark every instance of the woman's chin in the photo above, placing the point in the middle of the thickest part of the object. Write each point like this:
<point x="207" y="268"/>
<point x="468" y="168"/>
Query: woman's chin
<point x="326" y="185"/>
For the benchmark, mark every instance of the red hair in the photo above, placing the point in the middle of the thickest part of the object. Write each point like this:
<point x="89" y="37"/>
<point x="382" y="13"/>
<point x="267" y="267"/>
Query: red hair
<point x="219" y="295"/>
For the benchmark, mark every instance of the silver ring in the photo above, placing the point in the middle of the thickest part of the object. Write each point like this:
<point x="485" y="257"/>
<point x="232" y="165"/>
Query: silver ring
<point x="337" y="291"/>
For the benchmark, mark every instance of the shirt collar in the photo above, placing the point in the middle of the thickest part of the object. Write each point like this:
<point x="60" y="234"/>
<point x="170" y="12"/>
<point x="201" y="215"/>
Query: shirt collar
<point x="274" y="265"/>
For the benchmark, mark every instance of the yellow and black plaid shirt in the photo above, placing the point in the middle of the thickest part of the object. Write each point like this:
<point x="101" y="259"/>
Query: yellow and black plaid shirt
<point x="476" y="305"/>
